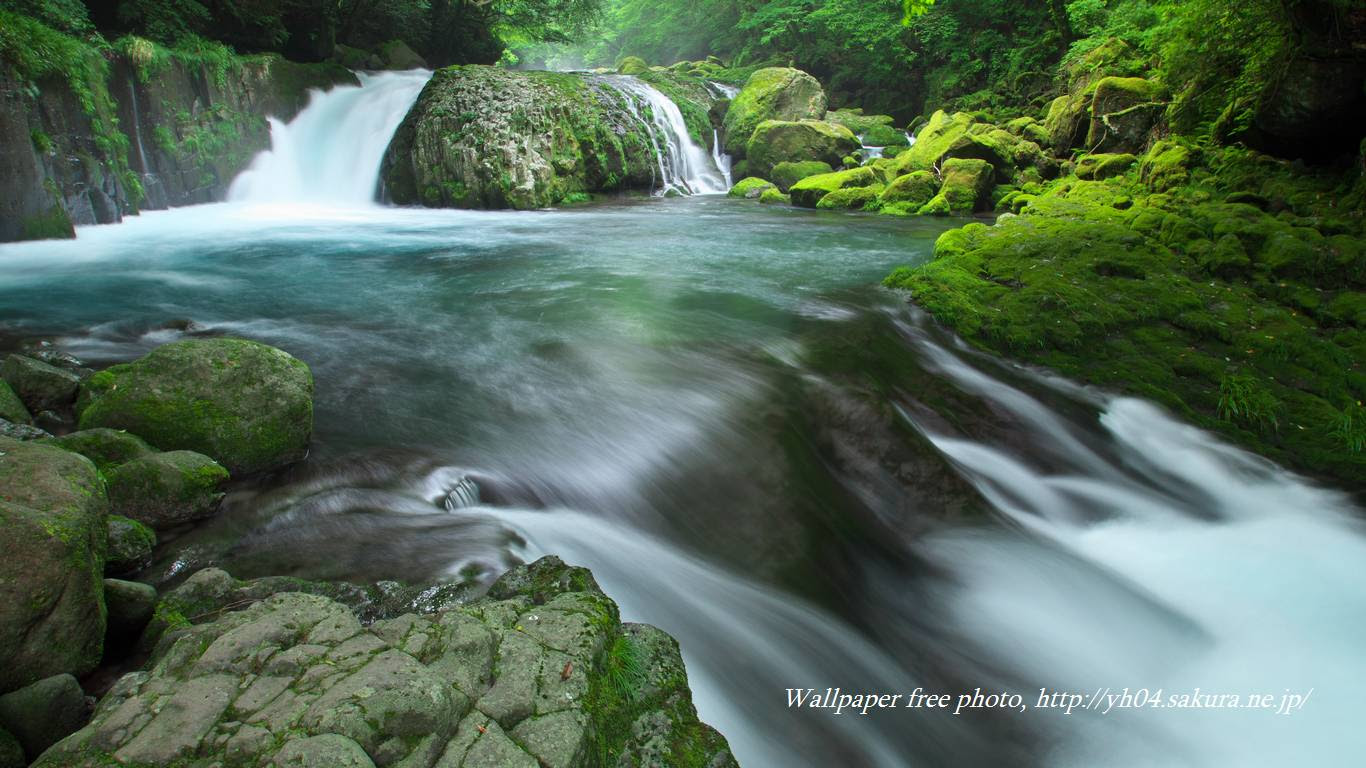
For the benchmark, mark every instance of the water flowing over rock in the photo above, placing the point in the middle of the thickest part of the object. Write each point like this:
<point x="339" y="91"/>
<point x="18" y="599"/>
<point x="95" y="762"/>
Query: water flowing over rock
<point x="482" y="137"/>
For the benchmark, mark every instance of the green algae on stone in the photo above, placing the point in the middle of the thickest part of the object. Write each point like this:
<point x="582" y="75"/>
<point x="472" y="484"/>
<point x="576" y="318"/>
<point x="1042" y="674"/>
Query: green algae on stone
<point x="808" y="192"/>
<point x="246" y="405"/>
<point x="787" y="173"/>
<point x="774" y="93"/>
<point x="779" y="141"/>
<point x="52" y="509"/>
<point x="166" y="489"/>
<point x="967" y="185"/>
<point x="130" y="546"/>
<point x="933" y="140"/>
<point x="851" y="198"/>
<point x="750" y="187"/>
<point x="108" y="448"/>
<point x="908" y="193"/>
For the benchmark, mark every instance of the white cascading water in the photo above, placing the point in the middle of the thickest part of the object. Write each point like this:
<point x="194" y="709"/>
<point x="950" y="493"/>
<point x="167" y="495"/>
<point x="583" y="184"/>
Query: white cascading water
<point x="684" y="167"/>
<point x="331" y="151"/>
<point x="1164" y="560"/>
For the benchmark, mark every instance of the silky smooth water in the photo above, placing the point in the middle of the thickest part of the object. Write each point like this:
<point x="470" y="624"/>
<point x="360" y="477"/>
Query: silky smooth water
<point x="714" y="406"/>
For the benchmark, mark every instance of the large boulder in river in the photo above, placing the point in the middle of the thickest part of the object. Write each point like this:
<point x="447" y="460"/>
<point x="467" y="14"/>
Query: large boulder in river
<point x="484" y="137"/>
<point x="775" y="93"/>
<point x="541" y="672"/>
<point x="52" y="513"/>
<point x="246" y="405"/>
<point x="808" y="192"/>
<point x="778" y="141"/>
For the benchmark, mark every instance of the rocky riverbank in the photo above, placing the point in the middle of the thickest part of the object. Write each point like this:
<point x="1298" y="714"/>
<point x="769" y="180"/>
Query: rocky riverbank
<point x="540" y="671"/>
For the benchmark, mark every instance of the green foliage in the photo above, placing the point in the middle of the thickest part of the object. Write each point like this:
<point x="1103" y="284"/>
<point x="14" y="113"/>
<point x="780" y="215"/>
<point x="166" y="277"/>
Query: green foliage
<point x="1350" y="427"/>
<point x="1243" y="400"/>
<point x="624" y="669"/>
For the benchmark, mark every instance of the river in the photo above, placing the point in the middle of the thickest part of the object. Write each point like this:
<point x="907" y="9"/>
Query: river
<point x="714" y="406"/>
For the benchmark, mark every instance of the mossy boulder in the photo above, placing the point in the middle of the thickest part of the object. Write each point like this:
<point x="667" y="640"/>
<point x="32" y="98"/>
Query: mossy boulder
<point x="884" y="136"/>
<point x="12" y="409"/>
<point x="1167" y="165"/>
<point x="52" y="510"/>
<point x="130" y="546"/>
<point x="779" y="141"/>
<point x="539" y="672"/>
<point x="933" y="140"/>
<point x="1031" y="129"/>
<point x="44" y="713"/>
<point x="632" y="65"/>
<point x="851" y="198"/>
<point x="967" y="185"/>
<point x="1123" y="113"/>
<point x="486" y="137"/>
<point x="786" y="174"/>
<point x="1066" y="123"/>
<point x="772" y="196"/>
<point x="164" y="490"/>
<point x="808" y="192"/>
<point x="108" y="448"/>
<point x="246" y="405"/>
<point x="40" y="386"/>
<point x="854" y="119"/>
<point x="907" y="194"/>
<point x="773" y="93"/>
<point x="397" y="55"/>
<point x="750" y="187"/>
<point x="130" y="605"/>
<point x="1104" y="166"/>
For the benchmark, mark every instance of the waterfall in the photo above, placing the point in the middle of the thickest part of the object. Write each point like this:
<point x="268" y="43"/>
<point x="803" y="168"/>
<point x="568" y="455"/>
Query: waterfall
<point x="331" y="151"/>
<point x="683" y="166"/>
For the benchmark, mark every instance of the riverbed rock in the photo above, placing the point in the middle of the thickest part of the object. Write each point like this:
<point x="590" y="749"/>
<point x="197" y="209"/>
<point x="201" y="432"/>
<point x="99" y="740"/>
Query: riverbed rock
<point x="485" y="137"/>
<point x="778" y="141"/>
<point x="908" y="193"/>
<point x="164" y="490"/>
<point x="43" y="713"/>
<point x="774" y="93"/>
<point x="244" y="404"/>
<point x="52" y="510"/>
<point x="809" y="191"/>
<point x="786" y="174"/>
<point x="397" y="55"/>
<point x="540" y="672"/>
<point x="40" y="386"/>
<point x="107" y="448"/>
<point x="933" y="140"/>
<point x="884" y="136"/>
<point x="130" y="546"/>
<point x="22" y="431"/>
<point x="1123" y="112"/>
<point x="130" y="605"/>
<point x="750" y="187"/>
<point x="1104" y="166"/>
<point x="12" y="409"/>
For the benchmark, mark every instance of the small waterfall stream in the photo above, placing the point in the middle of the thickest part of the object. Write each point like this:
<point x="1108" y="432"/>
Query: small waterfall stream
<point x="684" y="167"/>
<point x="331" y="151"/>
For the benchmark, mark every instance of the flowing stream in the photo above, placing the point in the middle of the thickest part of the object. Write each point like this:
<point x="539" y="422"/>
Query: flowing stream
<point x="714" y="406"/>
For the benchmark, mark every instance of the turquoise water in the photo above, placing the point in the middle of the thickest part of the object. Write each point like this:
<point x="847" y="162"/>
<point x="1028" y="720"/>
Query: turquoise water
<point x="713" y="405"/>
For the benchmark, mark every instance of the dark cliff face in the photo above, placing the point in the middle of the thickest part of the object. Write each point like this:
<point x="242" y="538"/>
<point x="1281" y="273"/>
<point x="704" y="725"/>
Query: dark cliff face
<point x="154" y="137"/>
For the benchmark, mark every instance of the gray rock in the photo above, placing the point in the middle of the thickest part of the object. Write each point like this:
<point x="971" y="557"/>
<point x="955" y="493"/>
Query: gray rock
<point x="326" y="751"/>
<point x="22" y="431"/>
<point x="130" y="607"/>
<point x="164" y="490"/>
<point x="130" y="546"/>
<point x="41" y="714"/>
<point x="41" y="386"/>
<point x="557" y="740"/>
<point x="52" y="512"/>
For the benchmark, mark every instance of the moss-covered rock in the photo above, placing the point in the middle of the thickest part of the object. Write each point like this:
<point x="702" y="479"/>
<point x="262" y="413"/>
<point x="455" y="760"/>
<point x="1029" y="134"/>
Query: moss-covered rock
<point x="41" y="714"/>
<point x="772" y="196"/>
<point x="851" y="198"/>
<point x="1067" y="122"/>
<point x="774" y="93"/>
<point x="808" y="192"/>
<point x="52" y="510"/>
<point x="539" y="672"/>
<point x="11" y="752"/>
<point x="777" y="141"/>
<point x="1031" y="129"/>
<point x="12" y="409"/>
<point x="1123" y="112"/>
<point x="485" y="137"/>
<point x="130" y="605"/>
<point x="786" y="174"/>
<point x="933" y="140"/>
<point x="40" y="386"/>
<point x="884" y="136"/>
<point x="108" y="448"/>
<point x="244" y="404"/>
<point x="967" y="185"/>
<point x="1104" y="166"/>
<point x="750" y="187"/>
<point x="130" y="546"/>
<point x="164" y="490"/>
<point x="854" y="119"/>
<point x="907" y="194"/>
<point x="632" y="65"/>
<point x="397" y="55"/>
<point x="1166" y="165"/>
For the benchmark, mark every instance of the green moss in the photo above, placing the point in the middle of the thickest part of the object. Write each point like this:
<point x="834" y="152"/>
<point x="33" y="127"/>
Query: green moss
<point x="809" y="191"/>
<point x="785" y="174"/>
<point x="851" y="198"/>
<point x="1104" y="166"/>
<point x="909" y="193"/>
<point x="751" y="187"/>
<point x="54" y="224"/>
<point x="933" y="141"/>
<point x="772" y="196"/>
<point x="779" y="141"/>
